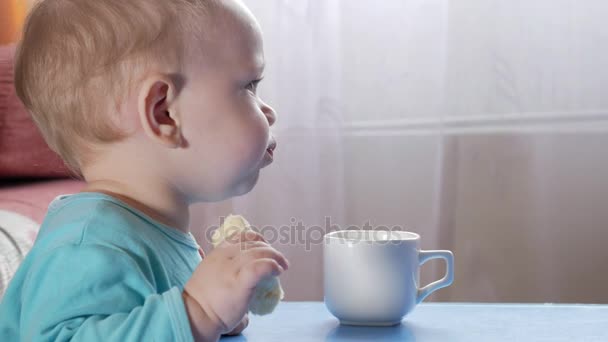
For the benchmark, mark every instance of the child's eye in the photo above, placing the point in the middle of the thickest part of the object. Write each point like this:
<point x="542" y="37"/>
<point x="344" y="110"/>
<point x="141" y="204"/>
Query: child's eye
<point x="253" y="86"/>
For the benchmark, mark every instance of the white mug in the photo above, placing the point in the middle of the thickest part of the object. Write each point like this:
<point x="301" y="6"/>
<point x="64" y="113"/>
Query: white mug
<point x="372" y="277"/>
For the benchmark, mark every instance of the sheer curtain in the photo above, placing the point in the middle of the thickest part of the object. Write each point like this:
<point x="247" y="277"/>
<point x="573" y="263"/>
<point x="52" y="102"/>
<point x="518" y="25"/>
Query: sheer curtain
<point x="480" y="124"/>
<point x="524" y="193"/>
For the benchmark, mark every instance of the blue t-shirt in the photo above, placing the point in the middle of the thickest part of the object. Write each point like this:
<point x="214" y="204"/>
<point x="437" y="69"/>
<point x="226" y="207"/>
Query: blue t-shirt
<point x="100" y="270"/>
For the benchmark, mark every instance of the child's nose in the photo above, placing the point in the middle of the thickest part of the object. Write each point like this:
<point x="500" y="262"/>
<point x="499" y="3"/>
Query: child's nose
<point x="271" y="115"/>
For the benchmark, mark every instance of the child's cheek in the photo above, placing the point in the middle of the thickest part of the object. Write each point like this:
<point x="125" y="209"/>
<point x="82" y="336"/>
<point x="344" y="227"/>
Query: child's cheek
<point x="253" y="136"/>
<point x="253" y="146"/>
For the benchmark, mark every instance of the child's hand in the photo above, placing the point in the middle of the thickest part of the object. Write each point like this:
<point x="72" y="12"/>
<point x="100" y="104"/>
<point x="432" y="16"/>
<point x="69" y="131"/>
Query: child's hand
<point x="224" y="282"/>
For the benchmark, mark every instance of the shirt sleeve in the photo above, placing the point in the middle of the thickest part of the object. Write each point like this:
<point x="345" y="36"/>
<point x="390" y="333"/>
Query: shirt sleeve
<point x="98" y="293"/>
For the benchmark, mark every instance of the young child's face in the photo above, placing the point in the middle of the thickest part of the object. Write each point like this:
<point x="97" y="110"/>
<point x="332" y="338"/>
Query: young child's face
<point x="225" y="124"/>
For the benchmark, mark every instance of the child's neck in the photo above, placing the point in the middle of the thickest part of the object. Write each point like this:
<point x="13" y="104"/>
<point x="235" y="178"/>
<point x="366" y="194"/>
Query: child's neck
<point x="152" y="198"/>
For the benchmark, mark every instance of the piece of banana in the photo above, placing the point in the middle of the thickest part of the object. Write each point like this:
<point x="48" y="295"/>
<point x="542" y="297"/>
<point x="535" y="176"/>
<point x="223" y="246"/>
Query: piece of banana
<point x="268" y="292"/>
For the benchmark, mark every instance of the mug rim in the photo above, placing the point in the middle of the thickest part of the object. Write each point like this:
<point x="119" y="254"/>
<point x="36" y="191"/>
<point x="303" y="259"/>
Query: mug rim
<point x="402" y="236"/>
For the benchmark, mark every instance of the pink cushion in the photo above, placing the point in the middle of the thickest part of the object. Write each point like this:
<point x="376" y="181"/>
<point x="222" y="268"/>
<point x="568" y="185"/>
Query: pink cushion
<point x="23" y="151"/>
<point x="32" y="199"/>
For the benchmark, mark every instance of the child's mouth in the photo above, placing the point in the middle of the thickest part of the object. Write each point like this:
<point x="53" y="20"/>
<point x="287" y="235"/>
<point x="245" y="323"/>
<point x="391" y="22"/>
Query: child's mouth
<point x="269" y="157"/>
<point x="272" y="147"/>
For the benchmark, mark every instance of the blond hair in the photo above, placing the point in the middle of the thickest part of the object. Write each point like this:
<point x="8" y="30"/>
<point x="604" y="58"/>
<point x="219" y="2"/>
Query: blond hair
<point x="78" y="60"/>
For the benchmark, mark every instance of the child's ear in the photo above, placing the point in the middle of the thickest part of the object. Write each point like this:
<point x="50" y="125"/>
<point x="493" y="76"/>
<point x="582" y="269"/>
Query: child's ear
<point x="157" y="111"/>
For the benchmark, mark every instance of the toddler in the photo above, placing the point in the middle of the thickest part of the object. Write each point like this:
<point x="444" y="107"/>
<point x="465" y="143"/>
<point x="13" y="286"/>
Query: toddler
<point x="153" y="103"/>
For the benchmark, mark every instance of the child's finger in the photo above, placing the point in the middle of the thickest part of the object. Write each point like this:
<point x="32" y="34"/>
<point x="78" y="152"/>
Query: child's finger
<point x="248" y="235"/>
<point x="232" y="250"/>
<point x="243" y="246"/>
<point x="265" y="252"/>
<point x="251" y="273"/>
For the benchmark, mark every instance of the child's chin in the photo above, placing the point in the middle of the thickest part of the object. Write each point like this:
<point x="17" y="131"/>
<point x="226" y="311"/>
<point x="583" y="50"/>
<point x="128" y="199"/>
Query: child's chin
<point x="246" y="185"/>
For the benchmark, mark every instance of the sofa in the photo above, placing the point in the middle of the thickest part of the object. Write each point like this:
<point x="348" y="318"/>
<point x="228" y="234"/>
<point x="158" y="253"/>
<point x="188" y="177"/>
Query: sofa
<point x="31" y="175"/>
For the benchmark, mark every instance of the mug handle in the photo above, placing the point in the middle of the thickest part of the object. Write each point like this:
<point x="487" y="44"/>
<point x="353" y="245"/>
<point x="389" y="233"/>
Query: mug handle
<point x="447" y="280"/>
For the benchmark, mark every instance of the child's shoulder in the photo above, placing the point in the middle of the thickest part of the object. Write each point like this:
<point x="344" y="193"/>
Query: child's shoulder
<point x="90" y="218"/>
